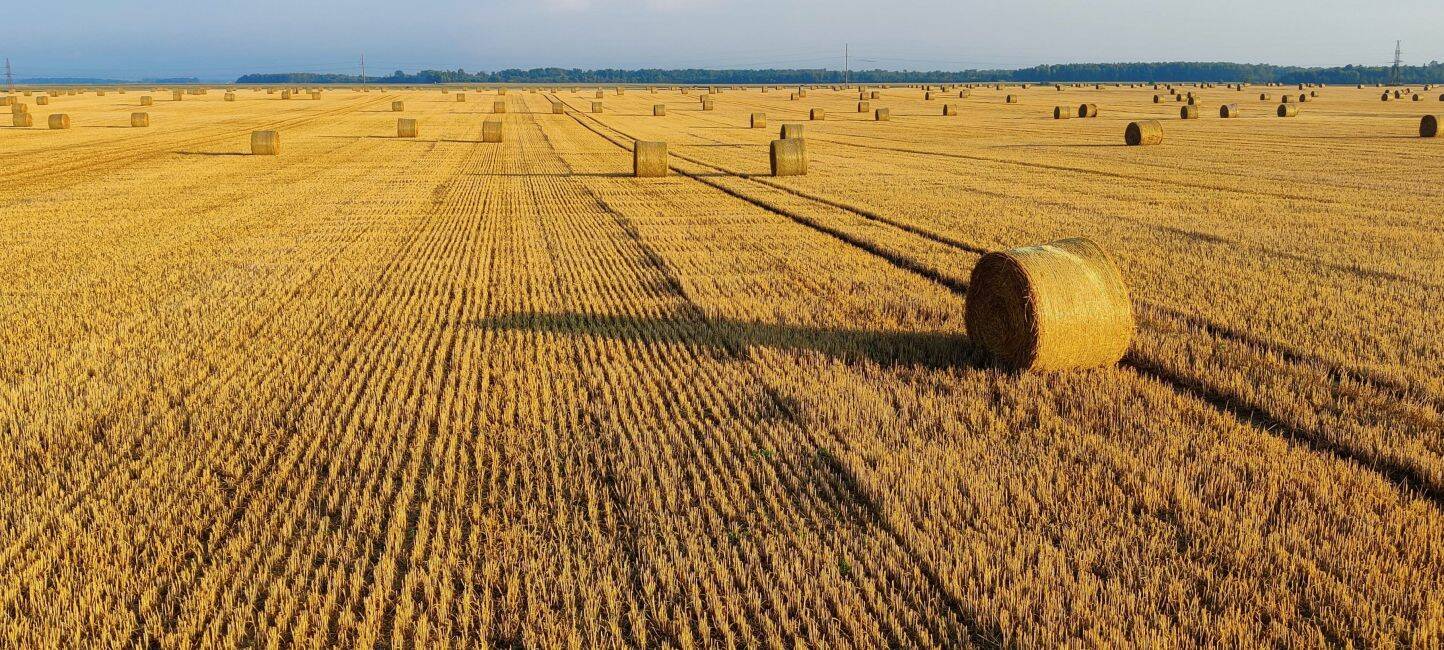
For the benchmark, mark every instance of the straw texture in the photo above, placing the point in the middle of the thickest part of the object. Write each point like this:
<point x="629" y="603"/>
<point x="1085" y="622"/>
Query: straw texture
<point x="789" y="157"/>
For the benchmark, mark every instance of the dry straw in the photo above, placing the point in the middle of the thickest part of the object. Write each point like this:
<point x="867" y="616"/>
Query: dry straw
<point x="649" y="159"/>
<point x="491" y="131"/>
<point x="1429" y="126"/>
<point x="882" y="115"/>
<point x="558" y="108"/>
<point x="406" y="127"/>
<point x="177" y="95"/>
<point x="599" y="94"/>
<point x="596" y="107"/>
<point x="817" y="114"/>
<point x="265" y="143"/>
<point x="1158" y="99"/>
<point x="139" y="119"/>
<point x="285" y="94"/>
<point x="42" y="101"/>
<point x="1384" y="97"/>
<point x="759" y="121"/>
<point x="1011" y="99"/>
<point x="22" y="119"/>
<point x="1265" y="97"/>
<point x="1062" y="112"/>
<point x="790" y="131"/>
<point x="708" y="104"/>
<point x="19" y="108"/>
<point x="950" y="109"/>
<point x="863" y="107"/>
<point x="397" y="107"/>
<point x="1288" y="110"/>
<point x="1189" y="112"/>
<point x="873" y="94"/>
<point x="1143" y="132"/>
<point x="59" y="121"/>
<point x="1087" y="110"/>
<point x="461" y="97"/>
<point x="1058" y="306"/>
<point x="659" y="110"/>
<point x="789" y="157"/>
<point x="1228" y="110"/>
<point x="499" y="106"/>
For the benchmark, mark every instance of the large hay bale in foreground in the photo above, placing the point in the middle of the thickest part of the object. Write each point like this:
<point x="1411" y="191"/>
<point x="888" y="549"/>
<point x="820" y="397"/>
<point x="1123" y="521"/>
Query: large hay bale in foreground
<point x="59" y="121"/>
<point x="882" y="115"/>
<point x="649" y="159"/>
<point x="1288" y="110"/>
<point x="491" y="131"/>
<point x="1058" y="306"/>
<point x="1143" y="132"/>
<point x="406" y="127"/>
<point x="139" y="119"/>
<point x="265" y="143"/>
<point x="1188" y="112"/>
<point x="397" y="107"/>
<point x="1087" y="110"/>
<point x="1228" y="110"/>
<point x="22" y="119"/>
<point x="790" y="131"/>
<point x="1429" y="126"/>
<point x="789" y="157"/>
<point x="659" y="110"/>
<point x="1062" y="112"/>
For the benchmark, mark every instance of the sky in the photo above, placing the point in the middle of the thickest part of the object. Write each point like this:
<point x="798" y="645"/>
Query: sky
<point x="215" y="40"/>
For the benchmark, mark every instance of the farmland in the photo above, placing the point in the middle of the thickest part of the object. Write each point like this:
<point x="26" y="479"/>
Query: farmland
<point x="433" y="391"/>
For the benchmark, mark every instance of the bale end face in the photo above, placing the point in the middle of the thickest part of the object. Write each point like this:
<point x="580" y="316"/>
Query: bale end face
<point x="1228" y="110"/>
<point x="649" y="159"/>
<point x="406" y="128"/>
<point x="491" y="131"/>
<point x="1189" y="112"/>
<point x="1087" y="110"/>
<point x="950" y="109"/>
<point x="59" y="121"/>
<point x="1145" y="132"/>
<point x="1058" y="306"/>
<point x="1288" y="110"/>
<point x="789" y="157"/>
<point x="863" y="107"/>
<point x="265" y="143"/>
<point x="1429" y="126"/>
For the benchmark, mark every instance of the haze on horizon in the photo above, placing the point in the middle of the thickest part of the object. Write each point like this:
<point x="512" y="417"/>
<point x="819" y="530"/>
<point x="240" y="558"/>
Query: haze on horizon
<point x="164" y="38"/>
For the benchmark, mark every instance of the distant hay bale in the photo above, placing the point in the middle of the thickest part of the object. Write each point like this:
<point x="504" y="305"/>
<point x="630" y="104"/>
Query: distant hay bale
<point x="1193" y="101"/>
<point x="1143" y="132"/>
<point x="1398" y="94"/>
<point x="1265" y="97"/>
<point x="792" y="97"/>
<point x="649" y="159"/>
<point x="1158" y="99"/>
<point x="1058" y="306"/>
<point x="230" y="97"/>
<point x="1228" y="110"/>
<point x="621" y="91"/>
<point x="1384" y="97"/>
<point x="596" y="107"/>
<point x="659" y="110"/>
<point x="950" y="109"/>
<point x="874" y="94"/>
<point x="759" y="121"/>
<point x="927" y="97"/>
<point x="499" y="106"/>
<point x="1189" y="112"/>
<point x="1313" y="93"/>
<point x="1417" y="97"/>
<point x="964" y="94"/>
<point x="1429" y="126"/>
<point x="1011" y="99"/>
<point x="790" y="131"/>
<point x="1087" y="110"/>
<point x="1303" y="98"/>
<point x="501" y="91"/>
<point x="177" y="95"/>
<point x="882" y="115"/>
<point x="1062" y="112"/>
<point x="461" y="97"/>
<point x="708" y="104"/>
<point x="285" y="94"/>
<point x="22" y="119"/>
<point x="19" y="108"/>
<point x="816" y="114"/>
<point x="863" y="107"/>
<point x="59" y="121"/>
<point x="397" y="107"/>
<point x="789" y="157"/>
<point x="1288" y="110"/>
<point x="265" y="143"/>
<point x="42" y="100"/>
<point x="491" y="131"/>
<point x="406" y="127"/>
<point x="139" y="119"/>
<point x="599" y="94"/>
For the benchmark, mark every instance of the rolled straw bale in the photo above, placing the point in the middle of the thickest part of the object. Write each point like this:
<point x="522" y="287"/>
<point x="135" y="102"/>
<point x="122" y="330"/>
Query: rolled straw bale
<point x="1417" y="97"/>
<point x="1398" y="94"/>
<point x="1303" y="98"/>
<point x="659" y="110"/>
<point x="596" y="107"/>
<point x="789" y="157"/>
<point x="19" y="108"/>
<point x="927" y="97"/>
<point x="599" y="94"/>
<point x="1193" y="101"/>
<point x="882" y="115"/>
<point x="1143" y="132"/>
<point x="790" y="131"/>
<point x="499" y="106"/>
<point x="177" y="95"/>
<point x="1228" y="110"/>
<point x="1058" y="306"/>
<point x="1158" y="99"/>
<point x="1179" y="98"/>
<point x="139" y="119"/>
<point x="873" y="94"/>
<point x="1288" y="110"/>
<point x="59" y="121"/>
<point x="265" y="143"/>
<point x="963" y="94"/>
<point x="863" y="107"/>
<point x="285" y="94"/>
<point x="1429" y="126"/>
<point x="816" y="114"/>
<point x="22" y="119"/>
<point x="759" y="121"/>
<point x="1011" y="99"/>
<point x="461" y="97"/>
<point x="1189" y="112"/>
<point x="1087" y="110"/>
<point x="406" y="127"/>
<point x="621" y="91"/>
<point x="1264" y="97"/>
<point x="397" y="107"/>
<point x="950" y="109"/>
<point x="708" y="104"/>
<point x="491" y="131"/>
<point x="649" y="159"/>
<point x="42" y="100"/>
<point x="1062" y="112"/>
<point x="1385" y="96"/>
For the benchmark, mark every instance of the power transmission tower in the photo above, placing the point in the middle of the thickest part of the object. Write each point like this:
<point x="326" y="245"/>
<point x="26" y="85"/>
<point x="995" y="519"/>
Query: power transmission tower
<point x="9" y="78"/>
<point x="846" y="68"/>
<point x="363" y="68"/>
<point x="1398" y="62"/>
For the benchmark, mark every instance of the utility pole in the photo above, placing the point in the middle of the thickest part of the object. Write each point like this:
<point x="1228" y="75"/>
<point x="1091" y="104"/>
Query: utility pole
<point x="846" y="68"/>
<point x="1398" y="62"/>
<point x="9" y="78"/>
<point x="363" y="68"/>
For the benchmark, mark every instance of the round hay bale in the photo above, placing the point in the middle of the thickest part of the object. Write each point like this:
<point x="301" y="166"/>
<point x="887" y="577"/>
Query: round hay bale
<point x="59" y="121"/>
<point x="1087" y="110"/>
<point x="873" y="94"/>
<point x="659" y="110"/>
<point x="863" y="107"/>
<point x="708" y="104"/>
<point x="1062" y="112"/>
<point x="882" y="115"/>
<point x="950" y="109"/>
<point x="22" y="119"/>
<point x="789" y="157"/>
<point x="596" y="107"/>
<point x="19" y="108"/>
<point x="42" y="100"/>
<point x="1058" y="306"/>
<point x="649" y="159"/>
<point x="1429" y="126"/>
<point x="1228" y="110"/>
<point x="559" y="108"/>
<point x="599" y="94"/>
<point x="1189" y="112"/>
<point x="1288" y="110"/>
<point x="285" y="94"/>
<point x="1143" y="132"/>
<point x="230" y="97"/>
<point x="177" y="95"/>
<point x="1158" y="99"/>
<point x="1011" y="99"/>
<point x="406" y="127"/>
<point x="759" y="121"/>
<point x="265" y="143"/>
<point x="790" y="131"/>
<point x="816" y="114"/>
<point x="499" y="106"/>
<point x="1384" y="97"/>
<point x="1265" y="97"/>
<point x="397" y="107"/>
<point x="139" y="119"/>
<point x="1303" y="98"/>
<point x="461" y="97"/>
<point x="491" y="131"/>
<point x="1417" y="97"/>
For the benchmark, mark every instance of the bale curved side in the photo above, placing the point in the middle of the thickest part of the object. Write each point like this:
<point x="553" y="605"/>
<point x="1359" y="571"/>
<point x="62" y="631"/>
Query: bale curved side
<point x="1143" y="132"/>
<point x="788" y="157"/>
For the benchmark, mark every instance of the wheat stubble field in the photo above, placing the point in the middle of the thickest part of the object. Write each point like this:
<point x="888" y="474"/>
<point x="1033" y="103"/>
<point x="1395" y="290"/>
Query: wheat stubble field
<point x="440" y="392"/>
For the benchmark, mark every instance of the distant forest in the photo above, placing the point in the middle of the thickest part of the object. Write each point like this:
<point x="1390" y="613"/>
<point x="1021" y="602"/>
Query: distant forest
<point x="1177" y="71"/>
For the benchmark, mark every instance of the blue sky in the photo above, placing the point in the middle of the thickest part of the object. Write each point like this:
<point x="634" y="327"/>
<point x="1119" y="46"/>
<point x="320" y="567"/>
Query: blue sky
<point x="215" y="40"/>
